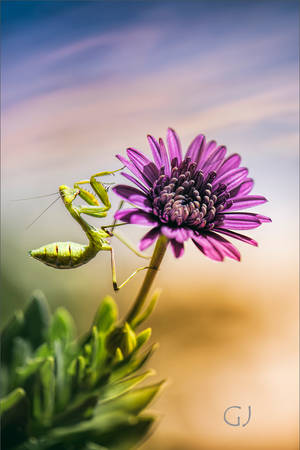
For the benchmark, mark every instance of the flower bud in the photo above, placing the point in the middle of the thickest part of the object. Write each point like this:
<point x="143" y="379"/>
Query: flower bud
<point x="122" y="337"/>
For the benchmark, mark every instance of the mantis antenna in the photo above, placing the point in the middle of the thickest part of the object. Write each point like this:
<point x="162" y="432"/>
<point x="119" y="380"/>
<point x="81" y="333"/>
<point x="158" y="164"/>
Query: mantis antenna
<point x="52" y="203"/>
<point x="32" y="198"/>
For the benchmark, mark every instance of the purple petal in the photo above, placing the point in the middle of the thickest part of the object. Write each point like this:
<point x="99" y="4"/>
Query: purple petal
<point x="149" y="238"/>
<point x="208" y="248"/>
<point x="240" y="237"/>
<point x="232" y="162"/>
<point x="177" y="247"/>
<point x="178" y="234"/>
<point x="243" y="189"/>
<point x="207" y="151"/>
<point x="156" y="152"/>
<point x="134" y="169"/>
<point x="174" y="146"/>
<point x="232" y="176"/>
<point x="263" y="218"/>
<point x="136" y="216"/>
<point x="224" y="246"/>
<point x="133" y="195"/>
<point x="246" y="202"/>
<point x="236" y="221"/>
<point x="135" y="181"/>
<point x="164" y="157"/>
<point x="196" y="148"/>
<point x="237" y="179"/>
<point x="137" y="158"/>
<point x="215" y="159"/>
<point x="147" y="167"/>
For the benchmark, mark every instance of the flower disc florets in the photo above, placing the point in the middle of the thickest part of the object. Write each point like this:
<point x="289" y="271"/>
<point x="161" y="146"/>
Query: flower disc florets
<point x="187" y="198"/>
<point x="190" y="197"/>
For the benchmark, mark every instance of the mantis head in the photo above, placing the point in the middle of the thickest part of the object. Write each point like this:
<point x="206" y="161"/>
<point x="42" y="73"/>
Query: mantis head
<point x="67" y="194"/>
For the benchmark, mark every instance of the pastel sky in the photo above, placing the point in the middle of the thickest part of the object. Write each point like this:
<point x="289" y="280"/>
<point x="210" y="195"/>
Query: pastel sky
<point x="83" y="80"/>
<point x="55" y="45"/>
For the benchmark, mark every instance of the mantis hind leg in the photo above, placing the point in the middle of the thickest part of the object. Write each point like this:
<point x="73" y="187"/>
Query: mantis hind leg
<point x="113" y="271"/>
<point x="120" y="237"/>
<point x="130" y="246"/>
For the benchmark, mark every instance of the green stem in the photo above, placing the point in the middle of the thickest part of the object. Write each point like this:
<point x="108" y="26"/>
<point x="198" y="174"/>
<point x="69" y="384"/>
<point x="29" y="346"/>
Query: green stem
<point x="158" y="254"/>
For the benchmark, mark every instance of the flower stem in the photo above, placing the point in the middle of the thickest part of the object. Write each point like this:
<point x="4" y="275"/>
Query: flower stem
<point x="158" y="254"/>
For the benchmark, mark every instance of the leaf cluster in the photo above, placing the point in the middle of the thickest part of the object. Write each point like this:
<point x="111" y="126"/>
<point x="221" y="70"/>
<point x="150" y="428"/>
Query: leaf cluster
<point x="63" y="393"/>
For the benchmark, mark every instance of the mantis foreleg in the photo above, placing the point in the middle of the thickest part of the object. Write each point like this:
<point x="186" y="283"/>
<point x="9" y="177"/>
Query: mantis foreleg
<point x="99" y="190"/>
<point x="94" y="211"/>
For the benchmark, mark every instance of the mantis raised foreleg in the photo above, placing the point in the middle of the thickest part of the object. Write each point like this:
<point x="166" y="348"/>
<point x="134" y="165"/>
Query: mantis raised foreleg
<point x="68" y="255"/>
<point x="95" y="210"/>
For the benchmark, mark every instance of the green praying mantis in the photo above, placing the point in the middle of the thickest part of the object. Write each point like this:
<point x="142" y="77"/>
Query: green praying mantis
<point x="69" y="255"/>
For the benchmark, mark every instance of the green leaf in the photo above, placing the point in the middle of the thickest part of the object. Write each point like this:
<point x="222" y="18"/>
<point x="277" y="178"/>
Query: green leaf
<point x="129" y="366"/>
<point x="14" y="418"/>
<point x="98" y="349"/>
<point x="133" y="402"/>
<point x="87" y="429"/>
<point x="44" y="393"/>
<point x="143" y="337"/>
<point x="21" y="352"/>
<point x="48" y="383"/>
<point x="62" y="380"/>
<point x="13" y="329"/>
<point x="128" y="436"/>
<point x="106" y="315"/>
<point x="142" y="317"/>
<point x="36" y="319"/>
<point x="4" y="380"/>
<point x="23" y="373"/>
<point x="93" y="446"/>
<point x="81" y="409"/>
<point x="115" y="389"/>
<point x="62" y="327"/>
<point x="106" y="430"/>
<point x="11" y="400"/>
<point x="43" y="351"/>
<point x="98" y="357"/>
<point x="76" y="371"/>
<point x="120" y="433"/>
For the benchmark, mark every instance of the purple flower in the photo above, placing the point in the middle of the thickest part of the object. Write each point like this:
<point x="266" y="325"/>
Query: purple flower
<point x="197" y="197"/>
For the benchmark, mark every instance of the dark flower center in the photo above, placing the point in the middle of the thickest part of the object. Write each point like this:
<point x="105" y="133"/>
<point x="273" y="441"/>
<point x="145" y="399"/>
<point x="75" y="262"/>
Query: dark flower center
<point x="187" y="197"/>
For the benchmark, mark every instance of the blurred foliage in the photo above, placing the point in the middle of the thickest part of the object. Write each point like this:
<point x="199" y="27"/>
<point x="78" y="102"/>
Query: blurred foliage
<point x="58" y="392"/>
<point x="13" y="293"/>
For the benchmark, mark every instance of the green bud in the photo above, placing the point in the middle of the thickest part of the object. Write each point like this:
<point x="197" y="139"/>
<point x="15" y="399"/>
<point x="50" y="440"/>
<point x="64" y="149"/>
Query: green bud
<point x="123" y="338"/>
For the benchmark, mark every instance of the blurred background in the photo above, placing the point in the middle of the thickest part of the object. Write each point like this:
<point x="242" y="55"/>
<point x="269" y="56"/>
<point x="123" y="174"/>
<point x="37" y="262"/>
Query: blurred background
<point x="81" y="81"/>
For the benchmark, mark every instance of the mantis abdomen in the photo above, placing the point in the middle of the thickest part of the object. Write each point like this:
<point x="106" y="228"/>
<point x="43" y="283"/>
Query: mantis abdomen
<point x="64" y="255"/>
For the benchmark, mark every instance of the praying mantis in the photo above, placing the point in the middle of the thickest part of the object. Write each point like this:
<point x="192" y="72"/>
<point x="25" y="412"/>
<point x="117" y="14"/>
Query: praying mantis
<point x="69" y="255"/>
